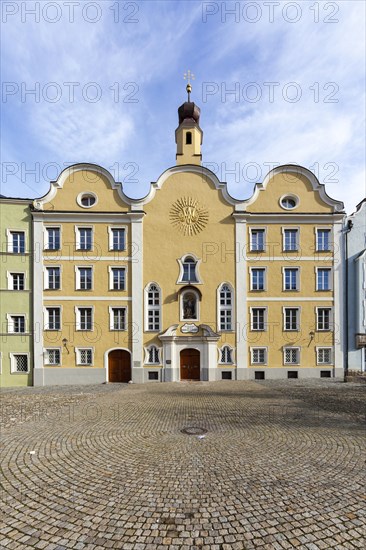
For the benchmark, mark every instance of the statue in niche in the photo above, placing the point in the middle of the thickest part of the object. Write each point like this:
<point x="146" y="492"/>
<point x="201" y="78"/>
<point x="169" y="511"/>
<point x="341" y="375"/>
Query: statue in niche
<point x="189" y="306"/>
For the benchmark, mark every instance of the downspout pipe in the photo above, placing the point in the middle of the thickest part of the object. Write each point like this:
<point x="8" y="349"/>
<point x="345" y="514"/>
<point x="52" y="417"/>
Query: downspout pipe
<point x="347" y="231"/>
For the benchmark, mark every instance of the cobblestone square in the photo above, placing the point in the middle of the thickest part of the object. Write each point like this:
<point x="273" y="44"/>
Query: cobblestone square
<point x="212" y="466"/>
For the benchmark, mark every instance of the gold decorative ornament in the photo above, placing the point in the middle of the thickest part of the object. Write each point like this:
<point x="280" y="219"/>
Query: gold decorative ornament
<point x="188" y="216"/>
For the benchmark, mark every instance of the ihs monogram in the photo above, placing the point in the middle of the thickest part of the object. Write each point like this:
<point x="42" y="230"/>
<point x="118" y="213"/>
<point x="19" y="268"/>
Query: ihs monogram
<point x="188" y="216"/>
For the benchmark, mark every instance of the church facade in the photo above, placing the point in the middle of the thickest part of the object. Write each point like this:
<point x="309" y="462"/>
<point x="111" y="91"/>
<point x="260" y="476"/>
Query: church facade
<point x="187" y="283"/>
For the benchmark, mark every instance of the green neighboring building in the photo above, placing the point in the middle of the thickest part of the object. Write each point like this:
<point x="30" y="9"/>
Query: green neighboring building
<point x="16" y="318"/>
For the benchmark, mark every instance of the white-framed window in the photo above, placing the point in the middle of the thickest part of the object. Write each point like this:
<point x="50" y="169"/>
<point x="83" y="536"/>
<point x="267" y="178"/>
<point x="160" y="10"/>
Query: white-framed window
<point x="16" y="281"/>
<point x="19" y="363"/>
<point x="324" y="356"/>
<point x="188" y="269"/>
<point x="189" y="300"/>
<point x="117" y="278"/>
<point x="324" y="318"/>
<point x="52" y="356"/>
<point x="52" y="238"/>
<point x="323" y="240"/>
<point x="16" y="241"/>
<point x="84" y="318"/>
<point x="52" y="278"/>
<point x="258" y="318"/>
<point x="226" y="355"/>
<point x="291" y="278"/>
<point x="290" y="239"/>
<point x="84" y="356"/>
<point x="257" y="239"/>
<point x="16" y="323"/>
<point x="87" y="199"/>
<point x="84" y="278"/>
<point x="84" y="238"/>
<point x="152" y="307"/>
<point x="258" y="356"/>
<point x="323" y="278"/>
<point x="291" y="356"/>
<point x="226" y="304"/>
<point x="118" y="318"/>
<point x="52" y="318"/>
<point x="289" y="202"/>
<point x="117" y="238"/>
<point x="291" y="318"/>
<point x="152" y="355"/>
<point x="258" y="278"/>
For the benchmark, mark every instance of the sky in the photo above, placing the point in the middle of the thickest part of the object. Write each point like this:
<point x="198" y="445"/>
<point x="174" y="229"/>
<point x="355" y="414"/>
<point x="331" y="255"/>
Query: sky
<point x="277" y="82"/>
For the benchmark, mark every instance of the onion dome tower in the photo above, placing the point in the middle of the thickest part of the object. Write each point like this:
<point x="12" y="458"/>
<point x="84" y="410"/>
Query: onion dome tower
<point x="188" y="135"/>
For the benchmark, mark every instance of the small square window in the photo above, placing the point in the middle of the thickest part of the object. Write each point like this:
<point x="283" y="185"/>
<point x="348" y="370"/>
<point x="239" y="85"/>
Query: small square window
<point x="324" y="356"/>
<point x="84" y="356"/>
<point x="153" y="375"/>
<point x="292" y="374"/>
<point x="259" y="356"/>
<point x="52" y="357"/>
<point x="291" y="356"/>
<point x="19" y="363"/>
<point x="17" y="281"/>
<point x="16" y="324"/>
<point x="325" y="374"/>
<point x="226" y="375"/>
<point x="259" y="375"/>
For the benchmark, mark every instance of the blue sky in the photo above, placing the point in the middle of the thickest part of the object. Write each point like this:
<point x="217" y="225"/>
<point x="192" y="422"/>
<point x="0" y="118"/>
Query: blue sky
<point x="108" y="79"/>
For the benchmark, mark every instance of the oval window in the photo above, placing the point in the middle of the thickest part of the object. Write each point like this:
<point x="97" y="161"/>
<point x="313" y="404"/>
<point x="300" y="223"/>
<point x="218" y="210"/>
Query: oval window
<point x="289" y="202"/>
<point x="87" y="200"/>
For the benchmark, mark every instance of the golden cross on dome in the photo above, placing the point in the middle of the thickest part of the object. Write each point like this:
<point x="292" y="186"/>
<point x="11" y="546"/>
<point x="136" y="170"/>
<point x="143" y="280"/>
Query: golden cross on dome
<point x="189" y="76"/>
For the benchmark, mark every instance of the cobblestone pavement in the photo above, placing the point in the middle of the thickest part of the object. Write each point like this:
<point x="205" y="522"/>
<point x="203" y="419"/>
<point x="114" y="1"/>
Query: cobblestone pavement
<point x="263" y="465"/>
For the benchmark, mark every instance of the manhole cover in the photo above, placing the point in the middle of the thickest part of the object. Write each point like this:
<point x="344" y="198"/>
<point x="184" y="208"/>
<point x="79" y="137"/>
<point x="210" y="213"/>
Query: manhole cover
<point x="194" y="430"/>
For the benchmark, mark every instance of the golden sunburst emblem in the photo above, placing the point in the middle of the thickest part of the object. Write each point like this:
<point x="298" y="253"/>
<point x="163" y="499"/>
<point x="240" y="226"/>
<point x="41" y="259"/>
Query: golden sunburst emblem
<point x="188" y="216"/>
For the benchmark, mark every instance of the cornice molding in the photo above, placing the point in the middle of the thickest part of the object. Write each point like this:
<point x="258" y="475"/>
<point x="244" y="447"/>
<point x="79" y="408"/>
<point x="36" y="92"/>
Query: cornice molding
<point x="337" y="206"/>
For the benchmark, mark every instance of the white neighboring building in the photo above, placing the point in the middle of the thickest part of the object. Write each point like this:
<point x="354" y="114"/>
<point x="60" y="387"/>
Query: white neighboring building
<point x="356" y="287"/>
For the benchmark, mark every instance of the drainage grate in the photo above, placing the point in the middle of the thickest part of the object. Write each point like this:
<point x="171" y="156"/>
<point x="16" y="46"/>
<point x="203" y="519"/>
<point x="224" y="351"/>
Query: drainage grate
<point x="194" y="430"/>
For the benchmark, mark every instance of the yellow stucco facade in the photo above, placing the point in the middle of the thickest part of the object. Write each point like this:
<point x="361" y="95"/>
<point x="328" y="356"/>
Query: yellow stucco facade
<point x="187" y="283"/>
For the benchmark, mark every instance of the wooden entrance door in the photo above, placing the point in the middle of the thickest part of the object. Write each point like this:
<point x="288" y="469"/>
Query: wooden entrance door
<point x="119" y="366"/>
<point x="190" y="364"/>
